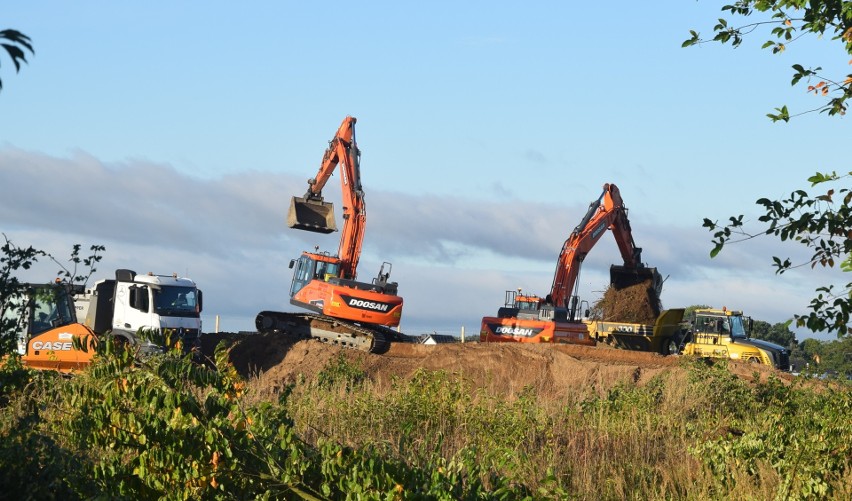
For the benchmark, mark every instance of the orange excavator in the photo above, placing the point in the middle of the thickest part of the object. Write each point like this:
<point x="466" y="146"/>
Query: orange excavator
<point x="346" y="312"/>
<point x="555" y="318"/>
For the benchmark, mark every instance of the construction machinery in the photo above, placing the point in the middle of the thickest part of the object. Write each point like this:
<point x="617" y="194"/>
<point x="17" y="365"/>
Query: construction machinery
<point x="43" y="321"/>
<point x="664" y="336"/>
<point x="345" y="311"/>
<point x="143" y="301"/>
<point x="712" y="333"/>
<point x="725" y="333"/>
<point x="555" y="318"/>
<point x="46" y="318"/>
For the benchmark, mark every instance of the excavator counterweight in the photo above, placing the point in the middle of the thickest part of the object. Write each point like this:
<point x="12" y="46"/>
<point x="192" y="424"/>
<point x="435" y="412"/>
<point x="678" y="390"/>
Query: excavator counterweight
<point x="311" y="215"/>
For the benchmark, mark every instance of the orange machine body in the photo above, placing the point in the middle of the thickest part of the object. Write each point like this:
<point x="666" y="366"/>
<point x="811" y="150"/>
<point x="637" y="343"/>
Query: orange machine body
<point x="556" y="318"/>
<point x="316" y="286"/>
<point x="44" y="321"/>
<point x="326" y="283"/>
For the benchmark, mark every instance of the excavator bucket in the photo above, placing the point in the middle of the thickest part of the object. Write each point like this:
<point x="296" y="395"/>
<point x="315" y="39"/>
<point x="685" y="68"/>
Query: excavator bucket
<point x="621" y="277"/>
<point x="311" y="215"/>
<point x="625" y="276"/>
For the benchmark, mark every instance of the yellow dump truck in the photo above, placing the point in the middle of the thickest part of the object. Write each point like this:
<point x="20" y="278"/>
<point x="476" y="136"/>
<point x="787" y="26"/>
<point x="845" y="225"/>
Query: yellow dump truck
<point x="664" y="336"/>
<point x="725" y="334"/>
<point x="714" y="333"/>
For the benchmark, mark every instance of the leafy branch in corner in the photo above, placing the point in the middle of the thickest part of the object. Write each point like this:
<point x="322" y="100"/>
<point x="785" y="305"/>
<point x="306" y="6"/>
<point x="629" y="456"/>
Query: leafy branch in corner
<point x="14" y="45"/>
<point x="790" y="20"/>
<point x="823" y="223"/>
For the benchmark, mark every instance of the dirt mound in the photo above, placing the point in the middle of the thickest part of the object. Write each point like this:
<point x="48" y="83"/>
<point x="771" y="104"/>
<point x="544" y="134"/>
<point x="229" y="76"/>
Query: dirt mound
<point x="272" y="361"/>
<point x="633" y="304"/>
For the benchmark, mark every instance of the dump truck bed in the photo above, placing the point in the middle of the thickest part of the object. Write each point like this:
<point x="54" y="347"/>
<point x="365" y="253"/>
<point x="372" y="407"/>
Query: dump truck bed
<point x="657" y="337"/>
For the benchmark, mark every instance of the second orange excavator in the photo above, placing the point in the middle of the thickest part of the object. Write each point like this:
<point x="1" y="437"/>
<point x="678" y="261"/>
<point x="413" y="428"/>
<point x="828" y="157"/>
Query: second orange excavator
<point x="555" y="318"/>
<point x="346" y="312"/>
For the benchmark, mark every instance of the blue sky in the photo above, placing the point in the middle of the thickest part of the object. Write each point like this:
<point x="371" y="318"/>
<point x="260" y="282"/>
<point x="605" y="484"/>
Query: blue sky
<point x="175" y="134"/>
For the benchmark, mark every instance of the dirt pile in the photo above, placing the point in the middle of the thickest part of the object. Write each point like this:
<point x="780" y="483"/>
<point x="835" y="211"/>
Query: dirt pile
<point x="272" y="362"/>
<point x="632" y="304"/>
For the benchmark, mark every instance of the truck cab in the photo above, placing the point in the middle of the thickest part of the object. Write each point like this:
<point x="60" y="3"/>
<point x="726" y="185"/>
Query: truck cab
<point x="725" y="334"/>
<point x="133" y="301"/>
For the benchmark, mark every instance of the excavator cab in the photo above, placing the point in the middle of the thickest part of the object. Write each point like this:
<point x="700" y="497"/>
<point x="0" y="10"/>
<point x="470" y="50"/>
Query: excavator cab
<point x="311" y="214"/>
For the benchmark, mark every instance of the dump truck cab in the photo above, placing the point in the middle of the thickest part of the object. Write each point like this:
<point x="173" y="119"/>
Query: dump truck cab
<point x="723" y="333"/>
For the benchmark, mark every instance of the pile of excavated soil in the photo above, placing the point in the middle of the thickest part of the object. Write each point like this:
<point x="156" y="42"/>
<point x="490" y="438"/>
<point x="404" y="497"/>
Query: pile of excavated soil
<point x="633" y="304"/>
<point x="272" y="361"/>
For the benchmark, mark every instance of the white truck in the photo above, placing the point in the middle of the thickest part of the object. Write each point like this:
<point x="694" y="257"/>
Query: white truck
<point x="132" y="301"/>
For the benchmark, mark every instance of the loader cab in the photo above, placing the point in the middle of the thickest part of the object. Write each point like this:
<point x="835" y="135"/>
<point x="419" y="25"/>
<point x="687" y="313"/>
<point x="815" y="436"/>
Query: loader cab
<point x="36" y="309"/>
<point x="310" y="267"/>
<point x="531" y="307"/>
<point x="52" y="307"/>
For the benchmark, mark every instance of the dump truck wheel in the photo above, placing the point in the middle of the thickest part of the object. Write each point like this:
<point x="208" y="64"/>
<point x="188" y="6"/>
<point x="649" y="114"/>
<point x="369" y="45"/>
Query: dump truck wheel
<point x="671" y="347"/>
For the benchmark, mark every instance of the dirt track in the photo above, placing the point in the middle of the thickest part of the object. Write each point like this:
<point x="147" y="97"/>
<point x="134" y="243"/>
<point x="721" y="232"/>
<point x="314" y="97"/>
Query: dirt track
<point x="273" y="361"/>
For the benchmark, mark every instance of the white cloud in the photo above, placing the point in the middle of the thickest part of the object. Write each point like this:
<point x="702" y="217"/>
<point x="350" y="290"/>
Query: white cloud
<point x="453" y="257"/>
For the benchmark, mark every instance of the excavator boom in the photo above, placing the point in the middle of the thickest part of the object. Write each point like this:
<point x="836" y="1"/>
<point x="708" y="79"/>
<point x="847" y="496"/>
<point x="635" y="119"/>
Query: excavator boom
<point x="607" y="212"/>
<point x="555" y="318"/>
<point x="313" y="213"/>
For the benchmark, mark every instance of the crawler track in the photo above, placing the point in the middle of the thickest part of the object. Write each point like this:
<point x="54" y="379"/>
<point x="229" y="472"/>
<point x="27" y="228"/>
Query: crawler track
<point x="364" y="337"/>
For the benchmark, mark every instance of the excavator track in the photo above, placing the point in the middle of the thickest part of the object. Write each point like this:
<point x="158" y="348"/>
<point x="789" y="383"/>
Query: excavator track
<point x="364" y="337"/>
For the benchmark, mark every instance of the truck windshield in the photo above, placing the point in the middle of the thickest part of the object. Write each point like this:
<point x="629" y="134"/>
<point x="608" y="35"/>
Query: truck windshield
<point x="176" y="301"/>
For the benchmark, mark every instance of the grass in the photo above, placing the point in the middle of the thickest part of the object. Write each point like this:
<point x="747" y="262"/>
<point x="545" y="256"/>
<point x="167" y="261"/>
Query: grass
<point x="693" y="432"/>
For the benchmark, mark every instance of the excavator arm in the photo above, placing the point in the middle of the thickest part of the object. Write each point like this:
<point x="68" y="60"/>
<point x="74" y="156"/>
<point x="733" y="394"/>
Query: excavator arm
<point x="345" y="311"/>
<point x="607" y="212"/>
<point x="312" y="213"/>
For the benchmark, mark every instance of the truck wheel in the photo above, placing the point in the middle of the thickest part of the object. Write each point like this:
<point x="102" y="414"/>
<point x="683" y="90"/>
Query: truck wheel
<point x="671" y="347"/>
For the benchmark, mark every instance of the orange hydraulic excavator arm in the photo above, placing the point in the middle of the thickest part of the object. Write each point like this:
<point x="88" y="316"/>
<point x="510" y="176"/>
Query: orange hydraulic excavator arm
<point x="607" y="212"/>
<point x="343" y="150"/>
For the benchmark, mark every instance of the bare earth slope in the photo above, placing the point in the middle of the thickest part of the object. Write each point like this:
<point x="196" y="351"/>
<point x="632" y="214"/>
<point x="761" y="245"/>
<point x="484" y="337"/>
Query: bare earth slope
<point x="273" y="361"/>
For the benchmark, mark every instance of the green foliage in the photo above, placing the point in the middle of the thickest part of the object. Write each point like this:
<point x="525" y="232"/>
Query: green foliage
<point x="789" y="21"/>
<point x="801" y="435"/>
<point x="342" y="372"/>
<point x="821" y="222"/>
<point x="168" y="428"/>
<point x="14" y="43"/>
<point x="14" y="259"/>
<point x="779" y="333"/>
<point x="829" y="357"/>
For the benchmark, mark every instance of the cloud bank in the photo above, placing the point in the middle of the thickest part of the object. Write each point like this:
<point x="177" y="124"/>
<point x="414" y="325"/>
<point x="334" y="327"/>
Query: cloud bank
<point x="453" y="256"/>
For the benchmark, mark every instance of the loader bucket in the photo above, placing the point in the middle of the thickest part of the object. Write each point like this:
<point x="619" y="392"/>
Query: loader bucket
<point x="311" y="215"/>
